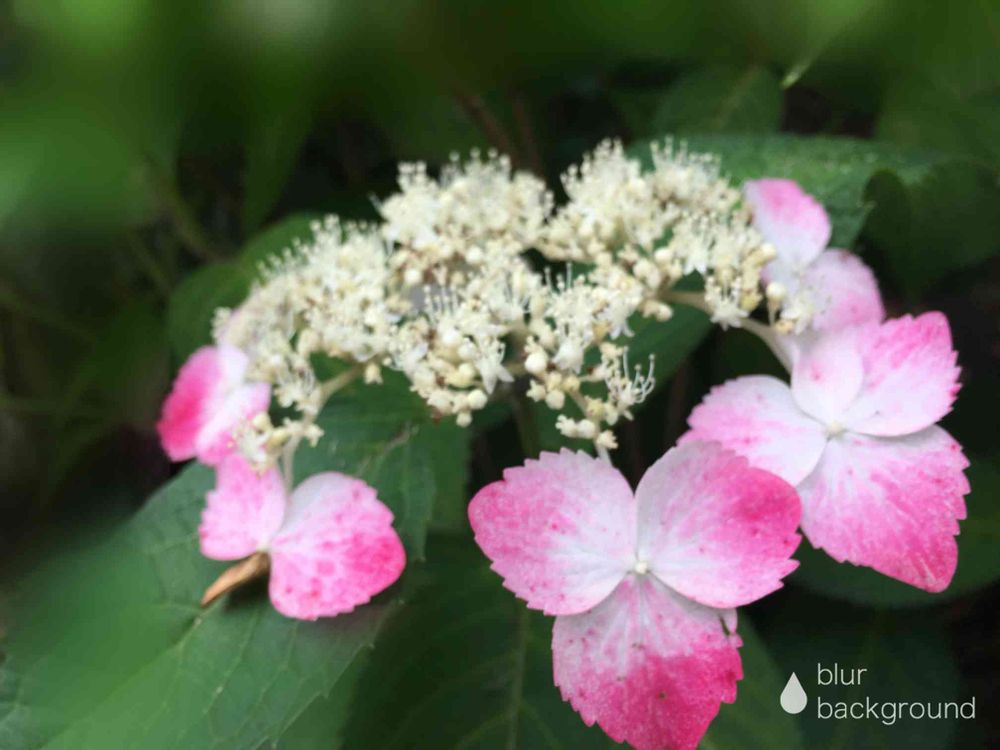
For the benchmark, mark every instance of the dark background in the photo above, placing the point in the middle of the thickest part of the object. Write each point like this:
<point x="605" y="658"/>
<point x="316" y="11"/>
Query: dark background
<point x="145" y="147"/>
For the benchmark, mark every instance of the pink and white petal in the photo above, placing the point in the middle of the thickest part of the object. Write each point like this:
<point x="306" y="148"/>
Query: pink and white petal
<point x="243" y="512"/>
<point x="790" y="219"/>
<point x="335" y="550"/>
<point x="559" y="530"/>
<point x="233" y="363"/>
<point x="190" y="402"/>
<point x="650" y="667"/>
<point x="715" y="529"/>
<point x="911" y="378"/>
<point x="827" y="375"/>
<point x="757" y="417"/>
<point x="892" y="504"/>
<point x="241" y="404"/>
<point x="846" y="289"/>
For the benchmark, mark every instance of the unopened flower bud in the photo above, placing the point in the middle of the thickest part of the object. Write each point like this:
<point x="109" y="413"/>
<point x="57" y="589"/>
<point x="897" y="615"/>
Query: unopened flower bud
<point x="476" y="399"/>
<point x="536" y="363"/>
<point x="555" y="400"/>
<point x="775" y="292"/>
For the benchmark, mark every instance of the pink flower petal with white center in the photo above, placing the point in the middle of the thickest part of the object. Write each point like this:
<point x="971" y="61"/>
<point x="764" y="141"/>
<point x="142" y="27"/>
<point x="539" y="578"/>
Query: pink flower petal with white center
<point x="846" y="290"/>
<point x="911" y="379"/>
<point x="757" y="417"/>
<point x="559" y="530"/>
<point x="790" y="219"/>
<point x="243" y="512"/>
<point x="207" y="401"/>
<point x="715" y="529"/>
<point x="892" y="504"/>
<point x="650" y="667"/>
<point x="827" y="375"/>
<point x="336" y="548"/>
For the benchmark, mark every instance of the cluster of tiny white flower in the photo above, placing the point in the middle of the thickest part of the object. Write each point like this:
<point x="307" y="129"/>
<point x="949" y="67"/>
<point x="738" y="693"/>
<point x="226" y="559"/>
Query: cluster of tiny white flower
<point x="443" y="289"/>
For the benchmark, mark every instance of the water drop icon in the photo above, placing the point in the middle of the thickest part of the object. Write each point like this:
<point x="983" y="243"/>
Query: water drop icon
<point x="793" y="697"/>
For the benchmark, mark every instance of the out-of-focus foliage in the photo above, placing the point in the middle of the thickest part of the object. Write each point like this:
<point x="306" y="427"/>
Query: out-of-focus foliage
<point x="155" y="153"/>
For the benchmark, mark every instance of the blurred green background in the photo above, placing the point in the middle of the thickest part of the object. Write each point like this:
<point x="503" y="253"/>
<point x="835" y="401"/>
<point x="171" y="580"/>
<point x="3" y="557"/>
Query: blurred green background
<point x="151" y="152"/>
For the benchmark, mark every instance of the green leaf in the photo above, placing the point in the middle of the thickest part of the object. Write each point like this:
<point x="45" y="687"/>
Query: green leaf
<point x="430" y="130"/>
<point x="755" y="720"/>
<point x="720" y="99"/>
<point x="944" y="223"/>
<point x="919" y="113"/>
<point x="978" y="564"/>
<point x="670" y="342"/>
<point x="274" y="145"/>
<point x="273" y="241"/>
<point x="386" y="435"/>
<point x="479" y="674"/>
<point x="835" y="170"/>
<point x="906" y="658"/>
<point x="193" y="304"/>
<point x="109" y="649"/>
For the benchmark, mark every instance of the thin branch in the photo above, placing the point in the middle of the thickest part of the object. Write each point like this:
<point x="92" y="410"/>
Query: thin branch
<point x="527" y="431"/>
<point x="758" y="329"/>
<point x="475" y="107"/>
<point x="43" y="407"/>
<point x="526" y="131"/>
<point x="16" y="303"/>
<point x="602" y="452"/>
<point x="182" y="217"/>
<point x="676" y="405"/>
<point x="327" y="389"/>
<point x="150" y="266"/>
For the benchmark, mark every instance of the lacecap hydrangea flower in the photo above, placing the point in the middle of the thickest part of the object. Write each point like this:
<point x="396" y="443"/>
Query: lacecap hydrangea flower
<point x="209" y="399"/>
<point x="820" y="289"/>
<point x="329" y="545"/>
<point x="643" y="584"/>
<point x="881" y="484"/>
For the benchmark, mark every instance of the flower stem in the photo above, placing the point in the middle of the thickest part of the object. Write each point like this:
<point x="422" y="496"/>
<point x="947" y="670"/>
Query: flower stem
<point x="326" y="390"/>
<point x="761" y="331"/>
<point x="255" y="566"/>
<point x="602" y="452"/>
<point x="524" y="419"/>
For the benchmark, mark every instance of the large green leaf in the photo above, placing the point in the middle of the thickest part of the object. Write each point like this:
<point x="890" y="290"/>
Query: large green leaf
<point x="978" y="561"/>
<point x="755" y="720"/>
<point x="835" y="170"/>
<point x="907" y="660"/>
<point x="193" y="304"/>
<point x="386" y="434"/>
<point x="108" y="648"/>
<point x="670" y="343"/>
<point x="922" y="113"/>
<point x="720" y="99"/>
<point x="944" y="223"/>
<point x="479" y="674"/>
